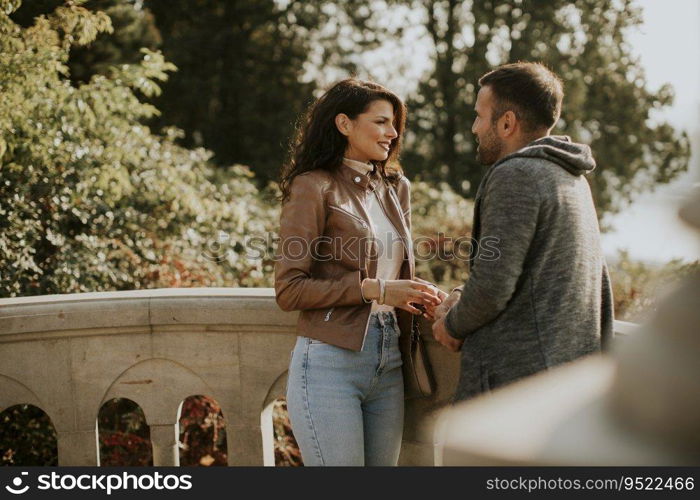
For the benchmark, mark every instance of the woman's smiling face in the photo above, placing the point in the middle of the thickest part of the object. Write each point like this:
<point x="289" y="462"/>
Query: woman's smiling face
<point x="370" y="134"/>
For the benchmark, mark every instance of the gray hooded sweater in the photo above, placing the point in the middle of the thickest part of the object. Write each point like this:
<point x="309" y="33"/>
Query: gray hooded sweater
<point x="538" y="293"/>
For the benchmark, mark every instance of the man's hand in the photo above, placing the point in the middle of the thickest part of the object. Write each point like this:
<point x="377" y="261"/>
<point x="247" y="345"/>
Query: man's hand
<point x="441" y="335"/>
<point x="445" y="306"/>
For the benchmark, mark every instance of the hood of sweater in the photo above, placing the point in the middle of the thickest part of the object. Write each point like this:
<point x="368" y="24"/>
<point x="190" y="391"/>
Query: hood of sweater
<point x="575" y="158"/>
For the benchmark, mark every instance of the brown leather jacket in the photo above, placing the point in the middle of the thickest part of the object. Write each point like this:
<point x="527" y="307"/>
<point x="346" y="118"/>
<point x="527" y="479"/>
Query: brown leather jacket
<point x="326" y="250"/>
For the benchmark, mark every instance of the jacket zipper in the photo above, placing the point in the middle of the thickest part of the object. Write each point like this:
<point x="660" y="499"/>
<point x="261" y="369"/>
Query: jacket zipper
<point x="359" y="219"/>
<point x="364" y="225"/>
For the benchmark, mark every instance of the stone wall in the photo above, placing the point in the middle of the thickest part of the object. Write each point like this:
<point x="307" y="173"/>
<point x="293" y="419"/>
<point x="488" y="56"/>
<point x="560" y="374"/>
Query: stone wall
<point x="69" y="354"/>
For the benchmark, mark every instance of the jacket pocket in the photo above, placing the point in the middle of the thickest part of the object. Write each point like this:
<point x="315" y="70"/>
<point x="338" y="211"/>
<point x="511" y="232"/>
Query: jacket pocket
<point x="359" y="219"/>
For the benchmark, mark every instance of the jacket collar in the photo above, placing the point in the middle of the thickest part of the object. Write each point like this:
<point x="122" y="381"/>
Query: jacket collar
<point x="359" y="166"/>
<point x="365" y="182"/>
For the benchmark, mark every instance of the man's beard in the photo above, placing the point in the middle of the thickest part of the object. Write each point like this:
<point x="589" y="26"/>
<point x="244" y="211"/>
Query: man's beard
<point x="490" y="148"/>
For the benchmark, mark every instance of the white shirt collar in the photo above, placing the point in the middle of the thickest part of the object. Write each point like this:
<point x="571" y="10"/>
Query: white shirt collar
<point x="358" y="166"/>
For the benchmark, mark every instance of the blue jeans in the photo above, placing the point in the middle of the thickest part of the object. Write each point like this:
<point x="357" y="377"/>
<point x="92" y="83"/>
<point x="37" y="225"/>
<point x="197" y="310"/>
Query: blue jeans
<point x="346" y="407"/>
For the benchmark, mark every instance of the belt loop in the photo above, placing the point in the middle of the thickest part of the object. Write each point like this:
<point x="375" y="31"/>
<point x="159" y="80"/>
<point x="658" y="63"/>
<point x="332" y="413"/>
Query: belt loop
<point x="393" y="320"/>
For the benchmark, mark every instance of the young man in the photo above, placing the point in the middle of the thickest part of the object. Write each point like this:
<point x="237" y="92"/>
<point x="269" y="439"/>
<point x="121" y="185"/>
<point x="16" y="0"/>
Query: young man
<point x="538" y="293"/>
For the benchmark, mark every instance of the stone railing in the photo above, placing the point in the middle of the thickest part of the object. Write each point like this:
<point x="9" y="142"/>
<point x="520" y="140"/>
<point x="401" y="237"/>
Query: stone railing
<point x="69" y="354"/>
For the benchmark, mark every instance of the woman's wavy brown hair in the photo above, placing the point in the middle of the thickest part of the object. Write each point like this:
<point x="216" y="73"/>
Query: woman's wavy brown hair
<point x="319" y="144"/>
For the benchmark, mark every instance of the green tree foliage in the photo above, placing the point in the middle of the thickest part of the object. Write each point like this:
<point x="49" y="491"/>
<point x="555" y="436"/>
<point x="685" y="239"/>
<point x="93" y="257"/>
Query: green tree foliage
<point x="24" y="13"/>
<point x="239" y="89"/>
<point x="246" y="69"/>
<point x="638" y="285"/>
<point x="607" y="104"/>
<point x="442" y="227"/>
<point x="133" y="29"/>
<point x="27" y="437"/>
<point x="90" y="198"/>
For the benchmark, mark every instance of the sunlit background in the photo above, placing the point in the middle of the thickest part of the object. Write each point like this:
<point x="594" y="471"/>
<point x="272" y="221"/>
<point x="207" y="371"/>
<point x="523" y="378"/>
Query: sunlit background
<point x="668" y="45"/>
<point x="109" y="185"/>
<point x="650" y="229"/>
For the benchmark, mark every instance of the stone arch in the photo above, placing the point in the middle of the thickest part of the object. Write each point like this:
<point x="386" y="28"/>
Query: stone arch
<point x="276" y="390"/>
<point x="277" y="440"/>
<point x="160" y="384"/>
<point x="14" y="393"/>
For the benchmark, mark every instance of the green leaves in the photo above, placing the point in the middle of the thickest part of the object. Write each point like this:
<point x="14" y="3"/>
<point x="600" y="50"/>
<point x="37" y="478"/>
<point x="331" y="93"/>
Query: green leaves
<point x="142" y="76"/>
<point x="607" y="100"/>
<point x="77" y="25"/>
<point x="7" y="7"/>
<point x="240" y="85"/>
<point x="90" y="198"/>
<point x="636" y="284"/>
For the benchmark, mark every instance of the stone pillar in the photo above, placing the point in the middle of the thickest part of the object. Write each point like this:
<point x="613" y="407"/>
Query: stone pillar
<point x="77" y="448"/>
<point x="164" y="442"/>
<point x="268" y="436"/>
<point x="244" y="444"/>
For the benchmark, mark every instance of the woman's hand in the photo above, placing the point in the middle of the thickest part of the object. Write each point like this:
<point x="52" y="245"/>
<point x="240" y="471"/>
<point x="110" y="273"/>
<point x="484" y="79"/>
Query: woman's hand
<point x="442" y="295"/>
<point x="430" y="312"/>
<point x="404" y="294"/>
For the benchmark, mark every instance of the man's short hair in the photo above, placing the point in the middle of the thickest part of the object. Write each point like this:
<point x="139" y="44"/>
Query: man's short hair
<point x="530" y="90"/>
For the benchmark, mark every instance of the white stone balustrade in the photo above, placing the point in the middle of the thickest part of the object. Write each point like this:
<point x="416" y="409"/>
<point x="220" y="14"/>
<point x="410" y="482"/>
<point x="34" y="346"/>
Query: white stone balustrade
<point x="69" y="354"/>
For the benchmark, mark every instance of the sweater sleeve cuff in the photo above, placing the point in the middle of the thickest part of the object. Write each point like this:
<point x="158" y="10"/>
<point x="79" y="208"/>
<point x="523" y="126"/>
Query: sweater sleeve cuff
<point x="451" y="327"/>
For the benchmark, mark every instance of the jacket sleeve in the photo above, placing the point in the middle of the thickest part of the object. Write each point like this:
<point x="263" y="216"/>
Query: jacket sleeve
<point x="302" y="222"/>
<point x="509" y="212"/>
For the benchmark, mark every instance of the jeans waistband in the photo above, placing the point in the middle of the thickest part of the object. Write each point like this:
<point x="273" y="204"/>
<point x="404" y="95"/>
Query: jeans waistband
<point x="385" y="317"/>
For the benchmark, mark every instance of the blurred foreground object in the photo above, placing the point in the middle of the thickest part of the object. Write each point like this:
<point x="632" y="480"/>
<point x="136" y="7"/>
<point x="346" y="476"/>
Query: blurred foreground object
<point x="638" y="406"/>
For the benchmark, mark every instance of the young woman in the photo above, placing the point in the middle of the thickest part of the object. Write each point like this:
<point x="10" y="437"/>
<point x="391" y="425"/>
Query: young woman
<point x="345" y="261"/>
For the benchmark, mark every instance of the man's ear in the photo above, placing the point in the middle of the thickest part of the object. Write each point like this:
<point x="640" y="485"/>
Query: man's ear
<point x="342" y="121"/>
<point x="507" y="124"/>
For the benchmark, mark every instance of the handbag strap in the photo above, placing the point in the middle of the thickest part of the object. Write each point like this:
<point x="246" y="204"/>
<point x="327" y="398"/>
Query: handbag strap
<point x="415" y="330"/>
